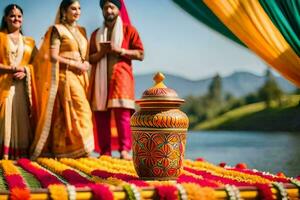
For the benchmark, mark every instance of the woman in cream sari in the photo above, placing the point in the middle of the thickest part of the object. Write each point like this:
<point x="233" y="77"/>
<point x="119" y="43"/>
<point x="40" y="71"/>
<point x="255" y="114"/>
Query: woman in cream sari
<point x="16" y="52"/>
<point x="64" y="126"/>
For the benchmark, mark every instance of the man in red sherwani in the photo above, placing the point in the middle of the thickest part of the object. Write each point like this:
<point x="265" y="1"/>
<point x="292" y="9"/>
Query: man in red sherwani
<point x="112" y="49"/>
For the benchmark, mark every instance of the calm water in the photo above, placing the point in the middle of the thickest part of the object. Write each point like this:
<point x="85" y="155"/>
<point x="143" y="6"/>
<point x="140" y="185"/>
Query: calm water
<point x="272" y="152"/>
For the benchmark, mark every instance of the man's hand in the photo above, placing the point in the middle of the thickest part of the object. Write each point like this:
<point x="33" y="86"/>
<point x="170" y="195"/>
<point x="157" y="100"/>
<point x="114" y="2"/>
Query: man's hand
<point x="115" y="50"/>
<point x="105" y="47"/>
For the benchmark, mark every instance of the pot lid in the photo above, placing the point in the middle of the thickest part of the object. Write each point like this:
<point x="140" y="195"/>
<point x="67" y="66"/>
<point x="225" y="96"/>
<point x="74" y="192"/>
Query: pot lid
<point x="160" y="92"/>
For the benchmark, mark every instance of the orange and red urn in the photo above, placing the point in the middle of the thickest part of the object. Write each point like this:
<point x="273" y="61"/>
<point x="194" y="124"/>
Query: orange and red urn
<point x="159" y="131"/>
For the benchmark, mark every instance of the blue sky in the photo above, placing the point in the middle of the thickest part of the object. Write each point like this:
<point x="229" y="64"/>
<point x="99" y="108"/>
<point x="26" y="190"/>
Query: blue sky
<point x="174" y="41"/>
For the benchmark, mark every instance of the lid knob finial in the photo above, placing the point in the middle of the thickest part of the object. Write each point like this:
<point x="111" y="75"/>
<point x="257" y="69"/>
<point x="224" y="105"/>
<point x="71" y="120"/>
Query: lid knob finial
<point x="159" y="78"/>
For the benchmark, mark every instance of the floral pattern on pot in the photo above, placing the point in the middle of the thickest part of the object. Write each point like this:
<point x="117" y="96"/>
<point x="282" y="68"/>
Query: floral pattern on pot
<point x="158" y="155"/>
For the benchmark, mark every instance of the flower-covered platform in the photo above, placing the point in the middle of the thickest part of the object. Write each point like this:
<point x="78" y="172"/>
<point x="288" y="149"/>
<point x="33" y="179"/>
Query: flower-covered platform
<point x="110" y="178"/>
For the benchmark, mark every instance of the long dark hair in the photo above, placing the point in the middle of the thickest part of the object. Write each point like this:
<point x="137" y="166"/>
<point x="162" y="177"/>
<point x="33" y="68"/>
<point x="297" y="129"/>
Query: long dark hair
<point x="64" y="5"/>
<point x="7" y="10"/>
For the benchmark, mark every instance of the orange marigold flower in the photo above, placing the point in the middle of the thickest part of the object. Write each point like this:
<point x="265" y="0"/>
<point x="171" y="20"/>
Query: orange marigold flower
<point x="241" y="166"/>
<point x="19" y="194"/>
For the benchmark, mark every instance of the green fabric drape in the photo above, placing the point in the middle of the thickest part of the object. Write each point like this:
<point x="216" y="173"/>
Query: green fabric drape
<point x="201" y="12"/>
<point x="285" y="14"/>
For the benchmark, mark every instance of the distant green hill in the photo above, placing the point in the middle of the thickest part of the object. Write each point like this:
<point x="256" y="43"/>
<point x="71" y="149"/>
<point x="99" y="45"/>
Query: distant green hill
<point x="259" y="118"/>
<point x="238" y="84"/>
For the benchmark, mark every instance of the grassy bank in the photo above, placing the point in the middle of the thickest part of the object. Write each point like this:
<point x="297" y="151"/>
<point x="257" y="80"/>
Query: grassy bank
<point x="258" y="117"/>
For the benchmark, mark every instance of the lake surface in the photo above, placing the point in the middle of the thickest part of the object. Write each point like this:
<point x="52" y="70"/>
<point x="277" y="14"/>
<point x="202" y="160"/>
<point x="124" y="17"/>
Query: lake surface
<point x="266" y="151"/>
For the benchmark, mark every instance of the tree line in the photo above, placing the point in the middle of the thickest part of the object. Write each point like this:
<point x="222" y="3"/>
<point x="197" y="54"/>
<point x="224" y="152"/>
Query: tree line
<point x="216" y="102"/>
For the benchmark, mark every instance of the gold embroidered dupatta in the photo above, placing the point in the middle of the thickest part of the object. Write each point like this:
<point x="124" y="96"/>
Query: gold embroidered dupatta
<point x="6" y="79"/>
<point x="46" y="78"/>
<point x="76" y="120"/>
<point x="16" y="116"/>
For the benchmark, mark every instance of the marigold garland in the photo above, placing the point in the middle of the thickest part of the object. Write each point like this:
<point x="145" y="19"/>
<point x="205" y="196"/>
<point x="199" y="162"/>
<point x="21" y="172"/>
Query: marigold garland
<point x="117" y="165"/>
<point x="109" y="172"/>
<point x="17" y="193"/>
<point x="53" y="165"/>
<point x="265" y="191"/>
<point x="75" y="179"/>
<point x="9" y="168"/>
<point x="219" y="180"/>
<point x="30" y="179"/>
<point x="268" y="176"/>
<point x="68" y="173"/>
<point x="77" y="165"/>
<point x="222" y="172"/>
<point x="93" y="167"/>
<point x="161" y="183"/>
<point x="58" y="192"/>
<point x="167" y="192"/>
<point x="195" y="192"/>
<point x="186" y="178"/>
<point x="192" y="190"/>
<point x="15" y="182"/>
<point x="112" y="170"/>
<point x="41" y="174"/>
<point x="101" y="192"/>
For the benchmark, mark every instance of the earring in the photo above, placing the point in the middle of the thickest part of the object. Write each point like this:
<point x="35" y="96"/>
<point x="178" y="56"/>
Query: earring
<point x="63" y="19"/>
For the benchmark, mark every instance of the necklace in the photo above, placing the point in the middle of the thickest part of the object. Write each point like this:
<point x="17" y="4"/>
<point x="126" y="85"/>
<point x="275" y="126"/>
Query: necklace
<point x="14" y="39"/>
<point x="14" y="44"/>
<point x="72" y="28"/>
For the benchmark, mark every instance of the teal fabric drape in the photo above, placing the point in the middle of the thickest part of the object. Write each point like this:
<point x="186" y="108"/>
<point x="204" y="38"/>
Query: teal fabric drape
<point x="285" y="15"/>
<point x="202" y="13"/>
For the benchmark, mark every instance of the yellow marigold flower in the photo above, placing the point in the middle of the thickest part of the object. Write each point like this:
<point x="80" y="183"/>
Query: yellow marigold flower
<point x="220" y="171"/>
<point x="53" y="165"/>
<point x="58" y="192"/>
<point x="195" y="192"/>
<point x="9" y="168"/>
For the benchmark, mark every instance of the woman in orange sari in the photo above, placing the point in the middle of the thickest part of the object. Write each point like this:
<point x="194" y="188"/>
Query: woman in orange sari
<point x="16" y="52"/>
<point x="64" y="126"/>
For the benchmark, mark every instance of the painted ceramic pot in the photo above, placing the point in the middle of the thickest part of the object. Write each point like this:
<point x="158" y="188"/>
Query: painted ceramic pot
<point x="159" y="133"/>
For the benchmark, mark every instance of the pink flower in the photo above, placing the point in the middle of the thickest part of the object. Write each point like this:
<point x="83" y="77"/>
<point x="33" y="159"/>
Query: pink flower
<point x="101" y="192"/>
<point x="222" y="164"/>
<point x="265" y="191"/>
<point x="200" y="159"/>
<point x="167" y="192"/>
<point x="139" y="183"/>
<point x="241" y="166"/>
<point x="105" y="174"/>
<point x="75" y="179"/>
<point x="42" y="175"/>
<point x="14" y="181"/>
<point x="201" y="182"/>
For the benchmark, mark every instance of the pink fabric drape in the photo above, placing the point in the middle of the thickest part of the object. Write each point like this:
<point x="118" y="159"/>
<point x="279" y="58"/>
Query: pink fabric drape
<point x="124" y="14"/>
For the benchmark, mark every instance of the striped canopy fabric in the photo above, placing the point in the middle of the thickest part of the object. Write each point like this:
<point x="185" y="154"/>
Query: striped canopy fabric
<point x="270" y="28"/>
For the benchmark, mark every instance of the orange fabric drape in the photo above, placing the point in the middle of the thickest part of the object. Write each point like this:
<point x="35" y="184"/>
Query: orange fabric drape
<point x="249" y="22"/>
